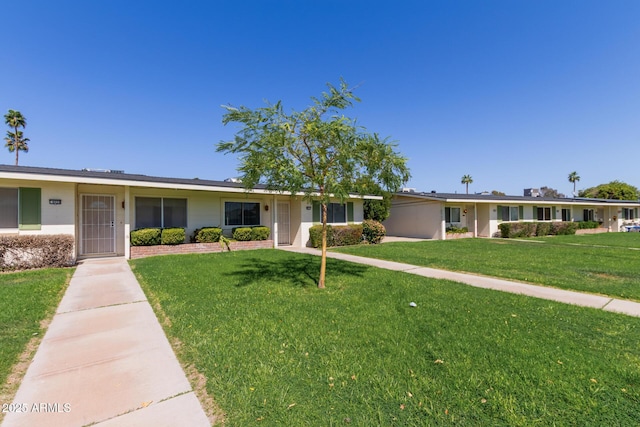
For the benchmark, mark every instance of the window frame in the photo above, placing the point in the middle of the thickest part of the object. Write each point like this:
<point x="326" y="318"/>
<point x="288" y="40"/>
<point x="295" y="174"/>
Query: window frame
<point x="12" y="207"/>
<point x="162" y="212"/>
<point x="509" y="213"/>
<point x="26" y="208"/>
<point x="242" y="223"/>
<point x="544" y="210"/>
<point x="567" y="217"/>
<point x="449" y="215"/>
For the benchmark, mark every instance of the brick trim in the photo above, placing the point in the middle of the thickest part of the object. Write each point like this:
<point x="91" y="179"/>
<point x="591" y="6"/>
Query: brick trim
<point x="196" y="248"/>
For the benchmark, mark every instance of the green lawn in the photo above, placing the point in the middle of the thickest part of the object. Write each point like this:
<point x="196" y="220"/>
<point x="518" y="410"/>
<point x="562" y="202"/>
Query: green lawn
<point x="277" y="351"/>
<point x="26" y="299"/>
<point x="578" y="263"/>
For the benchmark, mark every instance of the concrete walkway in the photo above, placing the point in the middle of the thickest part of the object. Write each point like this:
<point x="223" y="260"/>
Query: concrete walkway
<point x="105" y="360"/>
<point x="569" y="297"/>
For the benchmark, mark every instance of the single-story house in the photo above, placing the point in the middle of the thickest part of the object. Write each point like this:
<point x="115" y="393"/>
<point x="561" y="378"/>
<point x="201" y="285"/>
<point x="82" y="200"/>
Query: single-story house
<point x="100" y="207"/>
<point x="428" y="215"/>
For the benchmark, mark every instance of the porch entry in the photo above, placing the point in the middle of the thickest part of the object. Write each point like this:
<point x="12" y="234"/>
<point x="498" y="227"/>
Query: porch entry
<point x="97" y="225"/>
<point x="284" y="233"/>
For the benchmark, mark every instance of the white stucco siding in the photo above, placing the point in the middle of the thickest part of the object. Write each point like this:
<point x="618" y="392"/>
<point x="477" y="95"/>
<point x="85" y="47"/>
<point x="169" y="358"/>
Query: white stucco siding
<point x="415" y="218"/>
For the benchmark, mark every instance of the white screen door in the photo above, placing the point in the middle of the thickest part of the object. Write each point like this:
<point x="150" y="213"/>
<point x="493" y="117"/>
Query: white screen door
<point x="98" y="230"/>
<point x="284" y="236"/>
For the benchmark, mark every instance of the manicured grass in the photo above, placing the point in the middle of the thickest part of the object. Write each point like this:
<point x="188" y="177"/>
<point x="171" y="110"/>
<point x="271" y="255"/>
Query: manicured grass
<point x="277" y="351"/>
<point x="26" y="298"/>
<point x="553" y="261"/>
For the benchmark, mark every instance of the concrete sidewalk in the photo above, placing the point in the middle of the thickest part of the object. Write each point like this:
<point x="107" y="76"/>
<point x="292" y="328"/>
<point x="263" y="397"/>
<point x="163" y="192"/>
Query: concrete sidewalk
<point x="569" y="297"/>
<point x="105" y="360"/>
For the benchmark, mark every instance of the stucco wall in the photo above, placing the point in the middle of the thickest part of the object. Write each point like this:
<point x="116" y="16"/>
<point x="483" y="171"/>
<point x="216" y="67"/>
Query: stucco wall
<point x="414" y="218"/>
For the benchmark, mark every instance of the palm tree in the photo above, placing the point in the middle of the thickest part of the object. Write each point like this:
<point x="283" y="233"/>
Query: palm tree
<point x="16" y="144"/>
<point x="466" y="179"/>
<point x="15" y="140"/>
<point x="574" y="177"/>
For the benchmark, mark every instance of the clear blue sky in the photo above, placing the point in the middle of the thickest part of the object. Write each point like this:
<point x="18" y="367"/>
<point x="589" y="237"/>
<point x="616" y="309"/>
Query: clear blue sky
<point x="515" y="93"/>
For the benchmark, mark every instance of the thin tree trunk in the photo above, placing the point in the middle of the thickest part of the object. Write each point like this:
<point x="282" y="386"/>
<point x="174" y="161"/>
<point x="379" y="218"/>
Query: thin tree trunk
<point x="323" y="259"/>
<point x="17" y="145"/>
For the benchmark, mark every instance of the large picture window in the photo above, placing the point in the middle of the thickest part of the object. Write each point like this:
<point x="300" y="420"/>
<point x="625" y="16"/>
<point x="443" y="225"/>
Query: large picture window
<point x="587" y="215"/>
<point x="566" y="214"/>
<point x="629" y="213"/>
<point x="161" y="212"/>
<point x="337" y="213"/>
<point x="451" y="214"/>
<point x="241" y="213"/>
<point x="543" y="214"/>
<point x="8" y="208"/>
<point x="509" y="213"/>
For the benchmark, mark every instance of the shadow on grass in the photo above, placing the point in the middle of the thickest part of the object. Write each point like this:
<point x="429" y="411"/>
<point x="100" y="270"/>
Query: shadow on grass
<point x="300" y="271"/>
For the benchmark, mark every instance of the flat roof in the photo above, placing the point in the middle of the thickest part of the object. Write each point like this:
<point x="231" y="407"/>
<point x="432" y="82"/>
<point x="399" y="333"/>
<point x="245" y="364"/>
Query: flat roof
<point x="483" y="198"/>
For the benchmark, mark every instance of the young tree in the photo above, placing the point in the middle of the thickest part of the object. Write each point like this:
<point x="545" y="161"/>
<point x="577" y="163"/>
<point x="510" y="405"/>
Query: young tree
<point x="573" y="178"/>
<point x="318" y="152"/>
<point x="15" y="141"/>
<point x="466" y="180"/>
<point x="613" y="190"/>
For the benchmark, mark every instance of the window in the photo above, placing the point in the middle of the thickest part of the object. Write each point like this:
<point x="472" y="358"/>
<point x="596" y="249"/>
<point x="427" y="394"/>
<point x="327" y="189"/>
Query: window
<point x="566" y="214"/>
<point x="543" y="214"/>
<point x="629" y="213"/>
<point x="20" y="208"/>
<point x="587" y="215"/>
<point x="160" y="212"/>
<point x="241" y="213"/>
<point x="8" y="208"/>
<point x="336" y="213"/>
<point x="451" y="214"/>
<point x="509" y="213"/>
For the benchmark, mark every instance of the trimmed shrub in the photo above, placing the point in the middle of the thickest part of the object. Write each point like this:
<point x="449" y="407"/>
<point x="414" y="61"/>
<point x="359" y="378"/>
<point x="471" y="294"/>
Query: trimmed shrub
<point x="42" y="251"/>
<point x="517" y="229"/>
<point x="347" y="235"/>
<point x="242" y="234"/>
<point x="146" y="237"/>
<point x="564" y="228"/>
<point x="587" y="224"/>
<point x="260" y="232"/>
<point x="207" y="235"/>
<point x="315" y="236"/>
<point x="458" y="230"/>
<point x="172" y="236"/>
<point x="373" y="231"/>
<point x="543" y="229"/>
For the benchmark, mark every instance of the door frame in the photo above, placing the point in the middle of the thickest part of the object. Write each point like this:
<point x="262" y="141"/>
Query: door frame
<point x="81" y="249"/>
<point x="279" y="204"/>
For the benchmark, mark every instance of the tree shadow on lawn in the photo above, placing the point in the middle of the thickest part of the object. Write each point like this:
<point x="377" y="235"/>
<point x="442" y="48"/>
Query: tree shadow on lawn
<point x="300" y="271"/>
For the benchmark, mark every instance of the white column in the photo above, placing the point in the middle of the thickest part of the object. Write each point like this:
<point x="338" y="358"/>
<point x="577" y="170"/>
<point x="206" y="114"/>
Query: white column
<point x="127" y="222"/>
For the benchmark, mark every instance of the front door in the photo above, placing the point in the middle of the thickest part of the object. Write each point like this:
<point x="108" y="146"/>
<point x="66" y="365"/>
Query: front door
<point x="284" y="237"/>
<point x="97" y="225"/>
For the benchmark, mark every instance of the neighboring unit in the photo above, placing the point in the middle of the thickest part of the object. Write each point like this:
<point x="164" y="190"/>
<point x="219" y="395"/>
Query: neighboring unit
<point x="428" y="215"/>
<point x="101" y="207"/>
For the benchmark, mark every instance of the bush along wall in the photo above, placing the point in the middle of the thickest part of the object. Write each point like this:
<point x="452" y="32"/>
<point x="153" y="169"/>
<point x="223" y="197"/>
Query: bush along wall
<point x="373" y="231"/>
<point x="146" y="237"/>
<point x="206" y="235"/>
<point x="344" y="235"/>
<point x="530" y="229"/>
<point x="172" y="236"/>
<point x="42" y="251"/>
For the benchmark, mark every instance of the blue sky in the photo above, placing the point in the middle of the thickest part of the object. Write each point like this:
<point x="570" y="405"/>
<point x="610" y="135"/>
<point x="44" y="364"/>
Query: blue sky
<point x="515" y="93"/>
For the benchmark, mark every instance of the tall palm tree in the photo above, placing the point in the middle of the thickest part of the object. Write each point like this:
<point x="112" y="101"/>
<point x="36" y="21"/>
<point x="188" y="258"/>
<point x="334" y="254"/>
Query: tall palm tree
<point x="15" y="140"/>
<point x="573" y="178"/>
<point x="466" y="179"/>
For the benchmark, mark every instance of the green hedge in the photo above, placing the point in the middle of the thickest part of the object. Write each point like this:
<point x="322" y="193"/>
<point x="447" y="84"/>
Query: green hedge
<point x="172" y="236"/>
<point x="146" y="237"/>
<point x="529" y="229"/>
<point x="588" y="224"/>
<point x="340" y="235"/>
<point x="260" y="232"/>
<point x="241" y="234"/>
<point x="207" y="235"/>
<point x="373" y="231"/>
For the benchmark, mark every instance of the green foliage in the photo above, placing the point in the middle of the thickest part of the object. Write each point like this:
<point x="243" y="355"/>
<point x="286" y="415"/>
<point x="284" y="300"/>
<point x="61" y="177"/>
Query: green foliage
<point x="613" y="190"/>
<point x="318" y="151"/>
<point x="530" y="229"/>
<point x="146" y="237"/>
<point x="207" y="235"/>
<point x="172" y="236"/>
<point x="315" y="236"/>
<point x="543" y="229"/>
<point x="377" y="210"/>
<point x="241" y="234"/>
<point x="347" y="235"/>
<point x="260" y="232"/>
<point x="15" y="141"/>
<point x="565" y="228"/>
<point x="582" y="225"/>
<point x="372" y="231"/>
<point x="457" y="230"/>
